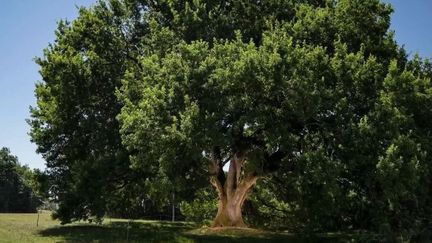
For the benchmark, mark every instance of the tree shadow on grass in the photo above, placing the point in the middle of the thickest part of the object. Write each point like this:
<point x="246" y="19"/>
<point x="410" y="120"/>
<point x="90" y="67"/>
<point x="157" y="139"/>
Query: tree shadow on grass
<point x="289" y="238"/>
<point x="118" y="232"/>
<point x="163" y="231"/>
<point x="252" y="239"/>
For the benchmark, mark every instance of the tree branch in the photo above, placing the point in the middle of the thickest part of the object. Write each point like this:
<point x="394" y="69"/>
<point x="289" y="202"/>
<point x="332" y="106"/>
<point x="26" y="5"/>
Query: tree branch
<point x="244" y="187"/>
<point x="219" y="187"/>
<point x="216" y="170"/>
<point x="266" y="204"/>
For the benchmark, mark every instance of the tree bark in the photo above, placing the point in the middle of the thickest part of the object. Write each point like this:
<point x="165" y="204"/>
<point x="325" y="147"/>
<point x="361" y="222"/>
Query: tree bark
<point x="232" y="189"/>
<point x="230" y="208"/>
<point x="229" y="214"/>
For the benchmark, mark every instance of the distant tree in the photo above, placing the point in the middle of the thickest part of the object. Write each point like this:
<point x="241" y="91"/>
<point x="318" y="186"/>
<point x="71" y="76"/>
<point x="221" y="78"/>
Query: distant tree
<point x="16" y="195"/>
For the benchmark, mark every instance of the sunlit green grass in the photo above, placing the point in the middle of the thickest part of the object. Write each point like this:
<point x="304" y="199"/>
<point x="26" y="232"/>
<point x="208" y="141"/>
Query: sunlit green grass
<point x="22" y="228"/>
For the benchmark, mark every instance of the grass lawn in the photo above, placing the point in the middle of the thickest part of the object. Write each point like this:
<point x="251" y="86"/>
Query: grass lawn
<point x="22" y="228"/>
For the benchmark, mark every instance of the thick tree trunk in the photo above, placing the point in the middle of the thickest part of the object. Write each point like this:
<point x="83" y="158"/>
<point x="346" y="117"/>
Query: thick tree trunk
<point x="229" y="214"/>
<point x="232" y="189"/>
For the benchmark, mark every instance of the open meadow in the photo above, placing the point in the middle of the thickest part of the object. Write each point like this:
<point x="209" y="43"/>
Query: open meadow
<point x="22" y="228"/>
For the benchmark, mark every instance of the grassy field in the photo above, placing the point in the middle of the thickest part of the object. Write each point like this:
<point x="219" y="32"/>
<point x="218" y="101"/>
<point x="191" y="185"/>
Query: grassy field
<point x="22" y="228"/>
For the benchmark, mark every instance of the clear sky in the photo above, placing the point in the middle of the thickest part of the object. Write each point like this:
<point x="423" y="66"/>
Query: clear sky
<point x="27" y="26"/>
<point x="412" y="21"/>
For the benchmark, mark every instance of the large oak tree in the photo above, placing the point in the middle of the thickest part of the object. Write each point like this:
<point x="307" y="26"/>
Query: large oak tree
<point x="298" y="85"/>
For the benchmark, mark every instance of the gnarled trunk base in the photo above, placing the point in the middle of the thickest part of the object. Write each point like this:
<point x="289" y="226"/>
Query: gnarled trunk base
<point x="232" y="188"/>
<point x="229" y="215"/>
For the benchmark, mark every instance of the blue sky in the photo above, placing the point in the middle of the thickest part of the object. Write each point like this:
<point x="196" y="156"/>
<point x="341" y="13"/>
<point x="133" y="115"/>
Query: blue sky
<point x="27" y="26"/>
<point x="412" y="21"/>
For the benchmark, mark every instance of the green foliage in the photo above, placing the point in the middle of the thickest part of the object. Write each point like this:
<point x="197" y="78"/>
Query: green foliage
<point x="17" y="185"/>
<point x="74" y="122"/>
<point x="202" y="208"/>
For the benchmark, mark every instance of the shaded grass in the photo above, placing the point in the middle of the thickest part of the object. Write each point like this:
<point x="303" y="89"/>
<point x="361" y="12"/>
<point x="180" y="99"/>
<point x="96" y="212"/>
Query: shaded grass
<point x="22" y="228"/>
<point x="255" y="235"/>
<point x="121" y="231"/>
